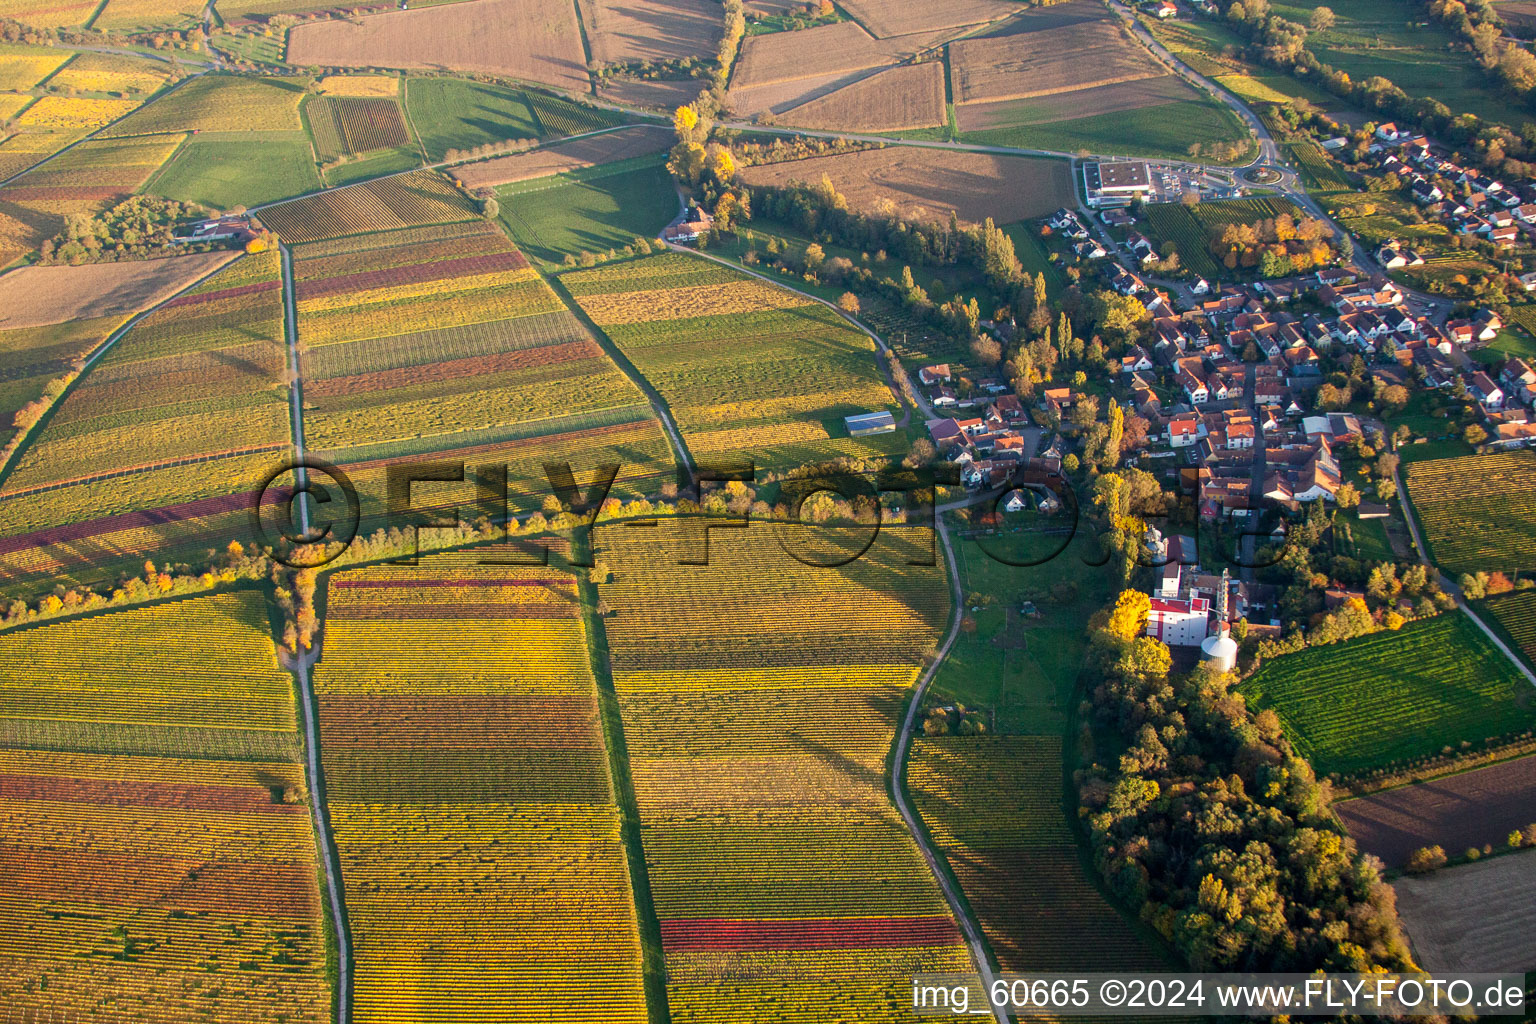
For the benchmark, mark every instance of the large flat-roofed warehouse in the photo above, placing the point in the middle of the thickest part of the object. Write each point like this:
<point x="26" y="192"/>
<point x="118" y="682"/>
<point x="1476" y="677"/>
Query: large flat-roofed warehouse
<point x="1108" y="182"/>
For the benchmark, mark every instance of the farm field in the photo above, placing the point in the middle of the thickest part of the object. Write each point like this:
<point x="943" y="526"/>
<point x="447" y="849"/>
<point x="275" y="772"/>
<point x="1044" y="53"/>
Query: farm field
<point x="22" y="67"/>
<point x="220" y="103"/>
<point x="121" y="469"/>
<point x="1026" y="64"/>
<point x="908" y="96"/>
<point x="31" y="357"/>
<point x="782" y="70"/>
<point x="159" y="858"/>
<point x="38" y="296"/>
<point x="932" y="183"/>
<point x="1454" y="812"/>
<point x="111" y="73"/>
<point x="1477" y="512"/>
<point x="993" y="805"/>
<point x="759" y="698"/>
<point x="49" y="13"/>
<point x="1472" y="917"/>
<point x="417" y="199"/>
<point x="1173" y="222"/>
<point x="139" y="15"/>
<point x="656" y="30"/>
<point x="532" y="40"/>
<point x="774" y="388"/>
<point x="594" y="210"/>
<point x="484" y="866"/>
<point x="1394" y="696"/>
<point x="560" y="157"/>
<point x="225" y="171"/>
<point x="445" y="341"/>
<point x="898" y="17"/>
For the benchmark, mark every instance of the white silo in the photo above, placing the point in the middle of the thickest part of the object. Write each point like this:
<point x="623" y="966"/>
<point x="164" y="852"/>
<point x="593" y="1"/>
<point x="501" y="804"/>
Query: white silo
<point x="1220" y="649"/>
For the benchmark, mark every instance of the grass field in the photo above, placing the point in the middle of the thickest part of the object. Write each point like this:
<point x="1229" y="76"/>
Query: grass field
<point x="187" y="866"/>
<point x="479" y="860"/>
<point x="1477" y="512"/>
<point x="749" y="370"/>
<point x="1372" y="37"/>
<point x="1161" y="131"/>
<point x="759" y="698"/>
<point x="1394" y="696"/>
<point x="994" y="807"/>
<point x="1024" y="668"/>
<point x="450" y="113"/>
<point x="227" y="172"/>
<point x="589" y="211"/>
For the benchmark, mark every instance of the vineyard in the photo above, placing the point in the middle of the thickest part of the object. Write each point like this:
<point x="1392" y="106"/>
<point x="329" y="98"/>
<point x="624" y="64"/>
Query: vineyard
<point x="748" y="369"/>
<point x="1172" y="222"/>
<point x="1394" y="696"/>
<point x="118" y="460"/>
<point x="446" y="341"/>
<point x="1516" y="613"/>
<point x="402" y="201"/>
<point x="994" y="808"/>
<point x="469" y="793"/>
<point x="353" y="125"/>
<point x="1317" y="170"/>
<point x="143" y="884"/>
<point x="220" y="103"/>
<point x="1477" y="512"/>
<point x="759" y="698"/>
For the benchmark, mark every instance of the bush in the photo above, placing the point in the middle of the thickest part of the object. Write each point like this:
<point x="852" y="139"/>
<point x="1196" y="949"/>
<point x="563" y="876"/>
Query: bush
<point x="1425" y="859"/>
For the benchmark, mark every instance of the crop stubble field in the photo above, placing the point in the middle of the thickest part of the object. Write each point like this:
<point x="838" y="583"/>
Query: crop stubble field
<point x="559" y="157"/>
<point x="903" y="97"/>
<point x="469" y="792"/>
<point x="759" y="698"/>
<point x="931" y="183"/>
<point x="533" y="40"/>
<point x="144" y="884"/>
<point x="748" y="369"/>
<point x="1454" y="812"/>
<point x="1472" y="918"/>
<point x="655" y="30"/>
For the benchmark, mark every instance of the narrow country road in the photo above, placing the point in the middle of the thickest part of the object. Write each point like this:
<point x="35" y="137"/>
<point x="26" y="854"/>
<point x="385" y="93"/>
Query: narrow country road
<point x="903" y="742"/>
<point x="296" y="383"/>
<point x="1450" y="586"/>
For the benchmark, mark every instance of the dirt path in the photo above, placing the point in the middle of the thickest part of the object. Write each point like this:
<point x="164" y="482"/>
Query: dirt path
<point x="330" y="862"/>
<point x="296" y="385"/>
